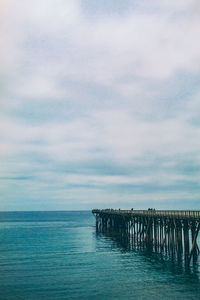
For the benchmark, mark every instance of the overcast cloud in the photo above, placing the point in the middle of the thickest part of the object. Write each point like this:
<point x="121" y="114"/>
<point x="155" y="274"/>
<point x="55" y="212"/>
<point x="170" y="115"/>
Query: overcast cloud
<point x="100" y="104"/>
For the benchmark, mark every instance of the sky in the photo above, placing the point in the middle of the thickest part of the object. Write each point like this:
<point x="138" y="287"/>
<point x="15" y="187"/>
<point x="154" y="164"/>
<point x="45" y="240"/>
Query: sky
<point x="99" y="104"/>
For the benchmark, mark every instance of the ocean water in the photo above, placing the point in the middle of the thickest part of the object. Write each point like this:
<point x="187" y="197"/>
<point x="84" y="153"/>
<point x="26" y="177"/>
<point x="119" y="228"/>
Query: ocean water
<point x="59" y="255"/>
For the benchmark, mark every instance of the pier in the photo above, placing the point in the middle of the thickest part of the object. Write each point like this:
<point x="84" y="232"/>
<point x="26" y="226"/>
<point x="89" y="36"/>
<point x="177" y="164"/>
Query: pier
<point x="173" y="232"/>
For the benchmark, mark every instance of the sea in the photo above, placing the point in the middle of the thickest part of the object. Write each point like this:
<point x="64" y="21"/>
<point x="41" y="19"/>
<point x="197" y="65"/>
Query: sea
<point x="60" y="256"/>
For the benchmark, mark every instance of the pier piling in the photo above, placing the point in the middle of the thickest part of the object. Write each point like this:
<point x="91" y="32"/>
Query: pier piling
<point x="174" y="232"/>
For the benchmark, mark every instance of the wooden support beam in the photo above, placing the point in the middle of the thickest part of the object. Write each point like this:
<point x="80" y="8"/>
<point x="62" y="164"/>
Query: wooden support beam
<point x="186" y="239"/>
<point x="194" y="242"/>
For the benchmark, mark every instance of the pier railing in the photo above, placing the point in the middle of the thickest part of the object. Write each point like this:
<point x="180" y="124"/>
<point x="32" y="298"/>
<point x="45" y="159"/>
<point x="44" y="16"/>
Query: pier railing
<point x="152" y="212"/>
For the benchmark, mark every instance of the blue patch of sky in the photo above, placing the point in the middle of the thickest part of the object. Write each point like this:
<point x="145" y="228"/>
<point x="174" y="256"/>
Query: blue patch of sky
<point x="176" y="92"/>
<point x="106" y="7"/>
<point x="20" y="178"/>
<point x="153" y="187"/>
<point x="172" y="96"/>
<point x="87" y="99"/>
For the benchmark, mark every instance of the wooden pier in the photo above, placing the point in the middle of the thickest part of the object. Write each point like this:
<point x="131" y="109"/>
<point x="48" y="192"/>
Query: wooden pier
<point x="170" y="231"/>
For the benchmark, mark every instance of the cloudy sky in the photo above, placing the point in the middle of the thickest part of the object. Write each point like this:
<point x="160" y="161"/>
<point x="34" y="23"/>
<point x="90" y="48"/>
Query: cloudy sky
<point x="100" y="104"/>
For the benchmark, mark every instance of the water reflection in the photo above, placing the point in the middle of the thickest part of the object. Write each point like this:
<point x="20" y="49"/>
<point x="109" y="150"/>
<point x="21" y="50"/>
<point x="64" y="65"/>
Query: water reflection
<point x="159" y="260"/>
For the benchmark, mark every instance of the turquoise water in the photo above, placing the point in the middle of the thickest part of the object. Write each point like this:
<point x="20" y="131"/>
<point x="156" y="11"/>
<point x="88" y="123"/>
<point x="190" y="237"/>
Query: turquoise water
<point x="59" y="255"/>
